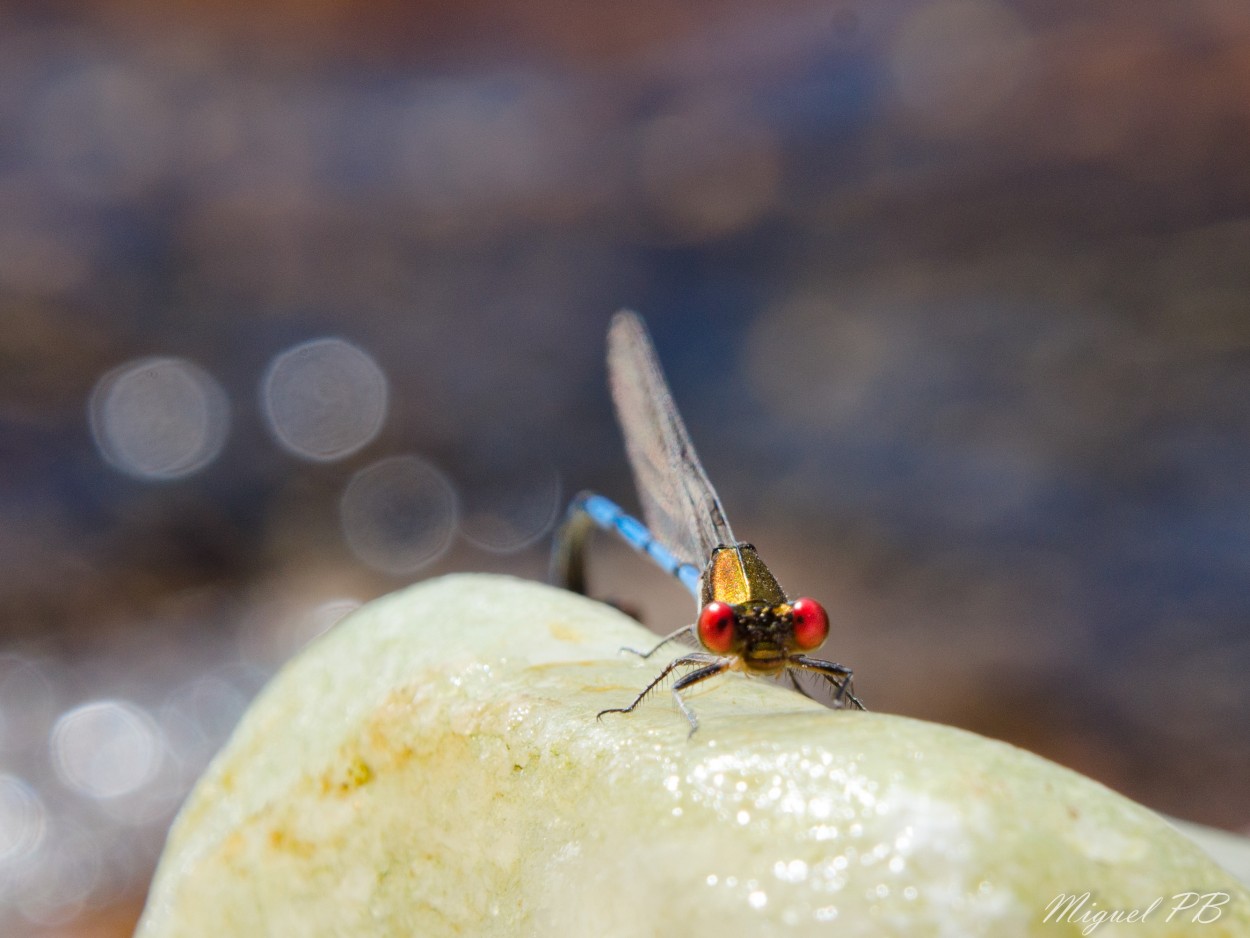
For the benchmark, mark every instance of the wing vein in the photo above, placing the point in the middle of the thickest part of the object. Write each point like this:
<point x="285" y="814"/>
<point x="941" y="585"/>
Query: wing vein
<point x="678" y="502"/>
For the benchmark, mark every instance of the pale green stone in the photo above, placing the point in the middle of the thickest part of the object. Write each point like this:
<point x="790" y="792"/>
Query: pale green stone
<point x="433" y="767"/>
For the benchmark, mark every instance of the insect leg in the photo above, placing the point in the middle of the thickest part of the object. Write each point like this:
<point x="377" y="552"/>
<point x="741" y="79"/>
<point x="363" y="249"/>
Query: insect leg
<point x="670" y="637"/>
<point x="838" y="675"/>
<point x="717" y="666"/>
<point x="794" y="682"/>
<point x="693" y="658"/>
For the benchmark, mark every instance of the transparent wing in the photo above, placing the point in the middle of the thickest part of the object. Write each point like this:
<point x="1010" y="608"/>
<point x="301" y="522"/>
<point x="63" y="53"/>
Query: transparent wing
<point x="678" y="502"/>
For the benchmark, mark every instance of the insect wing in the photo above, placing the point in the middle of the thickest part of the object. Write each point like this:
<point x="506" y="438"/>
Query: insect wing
<point x="678" y="502"/>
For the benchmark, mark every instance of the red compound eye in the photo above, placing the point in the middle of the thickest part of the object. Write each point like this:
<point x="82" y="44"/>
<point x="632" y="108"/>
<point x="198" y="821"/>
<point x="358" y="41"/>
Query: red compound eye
<point x="716" y="627"/>
<point x="811" y="623"/>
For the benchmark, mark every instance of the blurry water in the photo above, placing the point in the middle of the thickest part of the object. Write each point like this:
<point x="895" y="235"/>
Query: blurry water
<point x="324" y="399"/>
<point x="399" y="514"/>
<point x="106" y="749"/>
<point x="159" y="418"/>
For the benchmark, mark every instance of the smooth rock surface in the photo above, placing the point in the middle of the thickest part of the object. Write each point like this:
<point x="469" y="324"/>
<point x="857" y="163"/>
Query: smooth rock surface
<point x="433" y="767"/>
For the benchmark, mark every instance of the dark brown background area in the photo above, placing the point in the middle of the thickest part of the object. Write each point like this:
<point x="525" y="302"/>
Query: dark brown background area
<point x="954" y="295"/>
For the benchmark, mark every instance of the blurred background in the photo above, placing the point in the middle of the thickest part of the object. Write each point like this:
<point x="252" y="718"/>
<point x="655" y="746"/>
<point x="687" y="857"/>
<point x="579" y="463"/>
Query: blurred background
<point x="302" y="301"/>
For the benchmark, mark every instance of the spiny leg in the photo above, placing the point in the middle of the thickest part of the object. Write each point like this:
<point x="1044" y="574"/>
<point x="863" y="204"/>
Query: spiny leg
<point x="794" y="682"/>
<point x="838" y="675"/>
<point x="696" y="657"/>
<point x="670" y="637"/>
<point x="718" y="666"/>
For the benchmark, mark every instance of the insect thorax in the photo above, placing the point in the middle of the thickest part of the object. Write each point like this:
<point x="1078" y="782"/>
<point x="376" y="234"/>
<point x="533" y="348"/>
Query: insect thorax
<point x="736" y="575"/>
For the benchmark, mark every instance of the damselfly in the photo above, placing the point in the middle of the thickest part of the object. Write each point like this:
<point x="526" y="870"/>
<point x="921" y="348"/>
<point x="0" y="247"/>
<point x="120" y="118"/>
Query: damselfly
<point x="745" y="622"/>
